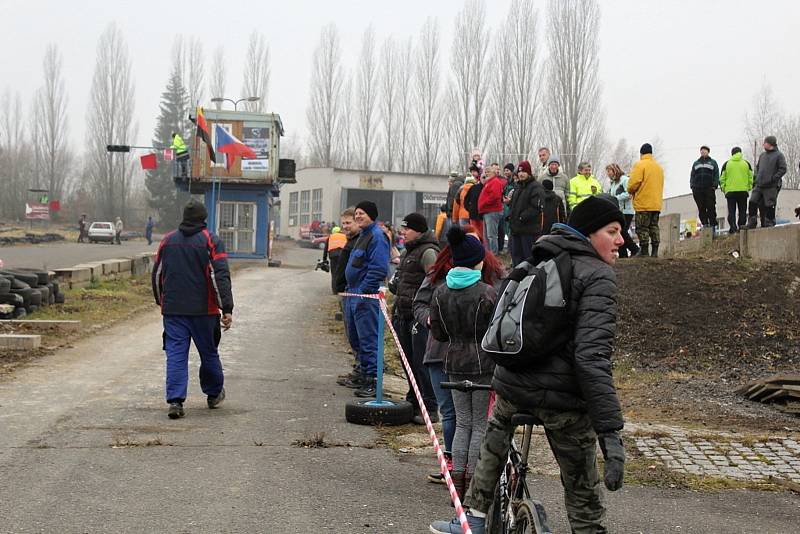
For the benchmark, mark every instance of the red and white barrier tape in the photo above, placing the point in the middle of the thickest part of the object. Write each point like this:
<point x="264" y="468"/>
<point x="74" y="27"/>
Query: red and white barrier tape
<point x="462" y="517"/>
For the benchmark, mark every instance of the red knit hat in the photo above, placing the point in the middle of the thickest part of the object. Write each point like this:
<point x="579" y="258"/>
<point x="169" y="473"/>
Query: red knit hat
<point x="524" y="166"/>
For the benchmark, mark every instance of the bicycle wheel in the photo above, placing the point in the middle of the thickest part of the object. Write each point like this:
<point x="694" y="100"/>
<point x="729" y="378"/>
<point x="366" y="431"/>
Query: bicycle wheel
<point x="530" y="518"/>
<point x="494" y="516"/>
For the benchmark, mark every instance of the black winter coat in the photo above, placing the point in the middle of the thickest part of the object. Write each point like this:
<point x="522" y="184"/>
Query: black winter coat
<point x="452" y="193"/>
<point x="337" y="275"/>
<point x="770" y="169"/>
<point x="526" y="208"/>
<point x="410" y="273"/>
<point x="705" y="174"/>
<point x="461" y="317"/>
<point x="434" y="351"/>
<point x="552" y="211"/>
<point x="578" y="376"/>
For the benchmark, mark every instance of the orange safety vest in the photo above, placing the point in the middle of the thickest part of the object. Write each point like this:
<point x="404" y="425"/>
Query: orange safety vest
<point x="336" y="241"/>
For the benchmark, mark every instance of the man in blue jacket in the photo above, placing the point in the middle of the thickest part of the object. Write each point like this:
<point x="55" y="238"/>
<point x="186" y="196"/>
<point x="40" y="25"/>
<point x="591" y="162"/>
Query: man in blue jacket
<point x="365" y="273"/>
<point x="192" y="284"/>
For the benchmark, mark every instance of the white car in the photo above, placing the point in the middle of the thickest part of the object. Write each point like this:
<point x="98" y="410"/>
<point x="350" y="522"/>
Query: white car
<point x="101" y="231"/>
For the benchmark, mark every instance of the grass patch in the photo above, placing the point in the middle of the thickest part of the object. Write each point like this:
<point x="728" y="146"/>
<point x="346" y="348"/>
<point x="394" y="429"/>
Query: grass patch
<point x="101" y="302"/>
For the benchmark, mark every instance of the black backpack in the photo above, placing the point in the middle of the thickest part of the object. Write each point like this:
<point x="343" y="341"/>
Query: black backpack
<point x="471" y="201"/>
<point x="531" y="319"/>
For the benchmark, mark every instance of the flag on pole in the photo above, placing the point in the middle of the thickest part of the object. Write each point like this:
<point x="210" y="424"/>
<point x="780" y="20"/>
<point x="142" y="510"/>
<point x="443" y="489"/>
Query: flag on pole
<point x="202" y="133"/>
<point x="230" y="146"/>
<point x="149" y="161"/>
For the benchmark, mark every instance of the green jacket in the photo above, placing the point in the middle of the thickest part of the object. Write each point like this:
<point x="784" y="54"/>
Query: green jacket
<point x="178" y="145"/>
<point x="737" y="175"/>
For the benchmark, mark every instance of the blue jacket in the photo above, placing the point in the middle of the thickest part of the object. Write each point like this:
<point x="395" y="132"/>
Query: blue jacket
<point x="620" y="190"/>
<point x="190" y="275"/>
<point x="368" y="264"/>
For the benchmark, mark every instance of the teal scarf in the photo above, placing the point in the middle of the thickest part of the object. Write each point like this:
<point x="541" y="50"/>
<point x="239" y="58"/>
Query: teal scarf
<point x="461" y="277"/>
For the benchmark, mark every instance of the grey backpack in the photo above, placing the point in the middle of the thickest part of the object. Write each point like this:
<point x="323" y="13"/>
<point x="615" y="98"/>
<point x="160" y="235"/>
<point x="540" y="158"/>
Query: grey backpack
<point x="531" y="319"/>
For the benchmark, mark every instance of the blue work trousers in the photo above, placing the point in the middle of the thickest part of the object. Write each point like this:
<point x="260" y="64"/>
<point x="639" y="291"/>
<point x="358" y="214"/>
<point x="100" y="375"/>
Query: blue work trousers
<point x="445" y="401"/>
<point x="204" y="330"/>
<point x="363" y="315"/>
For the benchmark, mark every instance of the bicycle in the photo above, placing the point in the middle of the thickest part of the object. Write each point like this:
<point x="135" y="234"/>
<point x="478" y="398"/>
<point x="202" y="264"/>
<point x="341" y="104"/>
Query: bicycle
<point x="513" y="510"/>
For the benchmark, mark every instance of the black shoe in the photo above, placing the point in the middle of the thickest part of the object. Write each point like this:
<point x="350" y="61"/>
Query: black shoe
<point x="654" y="252"/>
<point x="644" y="250"/>
<point x="175" y="410"/>
<point x="367" y="389"/>
<point x="352" y="381"/>
<point x="214" y="402"/>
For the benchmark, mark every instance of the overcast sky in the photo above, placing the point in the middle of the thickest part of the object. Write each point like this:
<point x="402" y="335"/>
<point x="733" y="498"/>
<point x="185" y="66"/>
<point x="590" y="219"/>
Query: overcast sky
<point x="682" y="70"/>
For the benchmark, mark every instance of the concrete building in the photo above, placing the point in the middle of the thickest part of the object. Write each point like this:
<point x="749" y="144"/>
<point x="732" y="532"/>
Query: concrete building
<point x="321" y="194"/>
<point x="684" y="205"/>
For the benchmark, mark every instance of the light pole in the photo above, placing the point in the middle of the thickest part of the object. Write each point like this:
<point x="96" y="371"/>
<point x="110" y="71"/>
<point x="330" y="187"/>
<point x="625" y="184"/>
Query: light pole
<point x="236" y="102"/>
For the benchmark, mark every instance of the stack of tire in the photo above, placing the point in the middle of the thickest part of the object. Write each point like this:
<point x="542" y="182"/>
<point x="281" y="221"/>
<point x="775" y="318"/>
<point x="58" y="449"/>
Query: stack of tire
<point x="27" y="290"/>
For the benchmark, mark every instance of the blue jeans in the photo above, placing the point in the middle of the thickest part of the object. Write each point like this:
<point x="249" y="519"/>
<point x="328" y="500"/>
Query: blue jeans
<point x="491" y="222"/>
<point x="179" y="331"/>
<point x="363" y="315"/>
<point x="445" y="400"/>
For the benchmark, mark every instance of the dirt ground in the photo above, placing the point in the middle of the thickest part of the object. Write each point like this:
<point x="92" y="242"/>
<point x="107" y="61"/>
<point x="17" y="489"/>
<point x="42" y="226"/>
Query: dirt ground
<point x="692" y="330"/>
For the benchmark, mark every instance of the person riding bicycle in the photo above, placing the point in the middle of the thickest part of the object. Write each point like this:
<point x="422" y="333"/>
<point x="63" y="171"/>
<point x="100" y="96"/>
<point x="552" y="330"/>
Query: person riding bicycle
<point x="571" y="391"/>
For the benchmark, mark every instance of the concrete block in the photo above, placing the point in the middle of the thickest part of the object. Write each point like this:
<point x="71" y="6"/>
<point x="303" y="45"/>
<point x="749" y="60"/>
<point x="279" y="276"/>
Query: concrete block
<point x="74" y="274"/>
<point x="43" y="324"/>
<point x="139" y="267"/>
<point x="781" y="243"/>
<point x="20" y="342"/>
<point x="110" y="267"/>
<point x="124" y="264"/>
<point x="95" y="267"/>
<point x="669" y="226"/>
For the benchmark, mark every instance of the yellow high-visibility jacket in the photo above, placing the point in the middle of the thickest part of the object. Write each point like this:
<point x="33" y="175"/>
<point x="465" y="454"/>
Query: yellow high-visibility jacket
<point x="178" y="145"/>
<point x="580" y="188"/>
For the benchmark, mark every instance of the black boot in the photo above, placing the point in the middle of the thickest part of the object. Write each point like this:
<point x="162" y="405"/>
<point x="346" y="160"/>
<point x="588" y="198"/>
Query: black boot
<point x="752" y="222"/>
<point x="644" y="249"/>
<point x="654" y="253"/>
<point x="367" y="389"/>
<point x="354" y="381"/>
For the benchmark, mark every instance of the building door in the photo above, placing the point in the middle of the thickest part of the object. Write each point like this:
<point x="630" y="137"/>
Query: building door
<point x="237" y="226"/>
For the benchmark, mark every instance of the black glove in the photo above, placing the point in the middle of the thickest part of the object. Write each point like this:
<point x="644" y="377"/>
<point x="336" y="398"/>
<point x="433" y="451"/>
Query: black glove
<point x="614" y="455"/>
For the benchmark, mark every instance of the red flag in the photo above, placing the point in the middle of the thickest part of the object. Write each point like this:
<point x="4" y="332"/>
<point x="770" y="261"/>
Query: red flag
<point x="149" y="161"/>
<point x="169" y="154"/>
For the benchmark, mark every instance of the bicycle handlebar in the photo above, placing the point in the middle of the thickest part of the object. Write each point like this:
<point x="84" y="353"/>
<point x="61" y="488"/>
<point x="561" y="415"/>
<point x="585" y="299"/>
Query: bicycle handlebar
<point x="465" y="385"/>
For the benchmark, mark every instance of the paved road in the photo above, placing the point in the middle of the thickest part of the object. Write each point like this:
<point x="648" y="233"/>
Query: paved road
<point x="85" y="445"/>
<point x="57" y="255"/>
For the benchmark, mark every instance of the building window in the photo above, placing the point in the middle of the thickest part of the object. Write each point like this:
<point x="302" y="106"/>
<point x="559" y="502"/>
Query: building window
<point x="316" y="205"/>
<point x="305" y="207"/>
<point x="237" y="226"/>
<point x="293" y="208"/>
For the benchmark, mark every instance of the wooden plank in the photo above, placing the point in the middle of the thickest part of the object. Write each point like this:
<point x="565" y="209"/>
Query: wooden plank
<point x="783" y="379"/>
<point x="763" y="391"/>
<point x="774" y="396"/>
<point x="790" y="387"/>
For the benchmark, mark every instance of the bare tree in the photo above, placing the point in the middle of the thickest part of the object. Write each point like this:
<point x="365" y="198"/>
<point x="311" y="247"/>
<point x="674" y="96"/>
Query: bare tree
<point x="574" y="112"/>
<point x="500" y="110"/>
<point x="323" y="111"/>
<point x="428" y="110"/>
<point x="389" y="74"/>
<point x="468" y="57"/>
<point x="761" y="120"/>
<point x="188" y="55"/>
<point x="256" y="73"/>
<point x="623" y="155"/>
<point x="366" y="89"/>
<point x="217" y="76"/>
<point x="406" y="130"/>
<point x="522" y="41"/>
<point x="15" y="157"/>
<point x="788" y="134"/>
<point x="50" y="126"/>
<point x="110" y="121"/>
<point x="346" y="145"/>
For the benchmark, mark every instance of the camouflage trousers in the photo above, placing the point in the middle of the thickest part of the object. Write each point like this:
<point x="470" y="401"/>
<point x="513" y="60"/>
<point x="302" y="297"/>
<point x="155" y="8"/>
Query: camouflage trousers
<point x="574" y="445"/>
<point x="647" y="227"/>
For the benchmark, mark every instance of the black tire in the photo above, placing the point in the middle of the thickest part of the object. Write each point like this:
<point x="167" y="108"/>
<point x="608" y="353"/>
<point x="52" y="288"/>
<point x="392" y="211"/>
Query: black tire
<point x="32" y="308"/>
<point x="494" y="515"/>
<point x="18" y="284"/>
<point x="45" y="292"/>
<point x="530" y="518"/>
<point x="20" y="312"/>
<point x="13" y="299"/>
<point x="25" y="293"/>
<point x="43" y="276"/>
<point x="59" y="298"/>
<point x="29" y="278"/>
<point x="5" y="286"/>
<point x="56" y="287"/>
<point x="358" y="412"/>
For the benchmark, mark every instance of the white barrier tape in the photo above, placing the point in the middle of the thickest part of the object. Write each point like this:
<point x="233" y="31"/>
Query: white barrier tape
<point x="462" y="517"/>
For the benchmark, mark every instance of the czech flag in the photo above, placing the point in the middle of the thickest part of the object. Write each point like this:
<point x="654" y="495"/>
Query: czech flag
<point x="227" y="144"/>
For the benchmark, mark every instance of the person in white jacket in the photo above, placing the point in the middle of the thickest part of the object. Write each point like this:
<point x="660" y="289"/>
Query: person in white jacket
<point x="118" y="227"/>
<point x="618" y="187"/>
